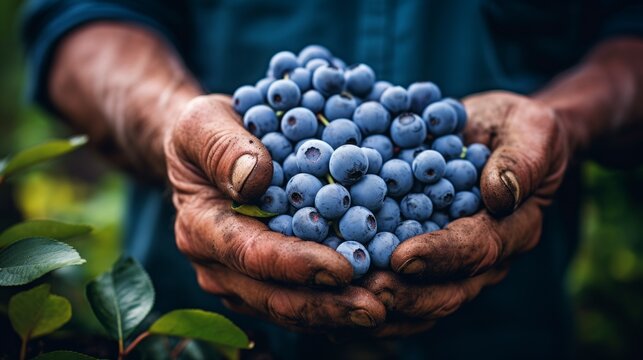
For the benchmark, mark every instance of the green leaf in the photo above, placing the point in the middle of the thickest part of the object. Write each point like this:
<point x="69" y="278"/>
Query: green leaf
<point x="36" y="312"/>
<point x="39" y="153"/>
<point x="29" y="259"/>
<point x="122" y="297"/>
<point x="251" y="210"/>
<point x="63" y="355"/>
<point x="201" y="325"/>
<point x="42" y="228"/>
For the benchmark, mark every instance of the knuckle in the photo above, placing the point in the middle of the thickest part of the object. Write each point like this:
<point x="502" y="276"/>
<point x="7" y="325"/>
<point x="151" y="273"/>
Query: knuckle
<point x="282" y="309"/>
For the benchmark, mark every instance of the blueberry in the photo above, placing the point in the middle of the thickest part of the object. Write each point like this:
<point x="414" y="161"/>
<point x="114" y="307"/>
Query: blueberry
<point x="311" y="52"/>
<point x="357" y="256"/>
<point x="278" y="146"/>
<point x="358" y="224"/>
<point x="378" y="89"/>
<point x="246" y="97"/>
<point x="441" y="118"/>
<point x="421" y="94"/>
<point x="409" y="155"/>
<point x="313" y="101"/>
<point x="360" y="79"/>
<point x="478" y="154"/>
<point x="290" y="167"/>
<point x="260" y="120"/>
<point x="476" y="191"/>
<point x="381" y="143"/>
<point x="263" y="85"/>
<point x="338" y="63"/>
<point x="398" y="177"/>
<point x="308" y="224"/>
<point x="369" y="192"/>
<point x="302" y="189"/>
<point x="395" y="99"/>
<point x="340" y="106"/>
<point x="299" y="123"/>
<point x="277" y="174"/>
<point x="300" y="143"/>
<point x="282" y="63"/>
<point x="408" y="130"/>
<point x="313" y="157"/>
<point x="313" y="64"/>
<point x="374" y="160"/>
<point x="461" y="173"/>
<point x="441" y="193"/>
<point x="332" y="201"/>
<point x="372" y="118"/>
<point x="332" y="242"/>
<point x="428" y="166"/>
<point x="450" y="146"/>
<point x="408" y="229"/>
<point x="416" y="206"/>
<point x="274" y="200"/>
<point x="465" y="203"/>
<point x="429" y="226"/>
<point x="460" y="112"/>
<point x="381" y="248"/>
<point x="281" y="224"/>
<point x="328" y="80"/>
<point x="348" y="164"/>
<point x="283" y="94"/>
<point x="388" y="218"/>
<point x="302" y="77"/>
<point x="341" y="132"/>
<point x="441" y="218"/>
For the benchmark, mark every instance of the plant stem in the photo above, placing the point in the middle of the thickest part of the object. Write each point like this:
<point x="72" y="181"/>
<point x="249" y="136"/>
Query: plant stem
<point x="179" y="348"/>
<point x="135" y="342"/>
<point x="322" y="119"/>
<point x="330" y="179"/>
<point x="23" y="349"/>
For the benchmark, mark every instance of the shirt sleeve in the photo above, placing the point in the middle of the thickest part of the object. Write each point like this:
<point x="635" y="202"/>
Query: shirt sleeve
<point x="46" y="22"/>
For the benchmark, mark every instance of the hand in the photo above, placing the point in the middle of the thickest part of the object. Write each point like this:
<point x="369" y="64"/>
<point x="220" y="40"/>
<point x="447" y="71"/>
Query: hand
<point x="212" y="159"/>
<point x="526" y="167"/>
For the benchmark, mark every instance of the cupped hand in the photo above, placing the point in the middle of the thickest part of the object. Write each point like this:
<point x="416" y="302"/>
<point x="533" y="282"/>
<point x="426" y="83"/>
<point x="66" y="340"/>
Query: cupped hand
<point x="437" y="272"/>
<point x="211" y="160"/>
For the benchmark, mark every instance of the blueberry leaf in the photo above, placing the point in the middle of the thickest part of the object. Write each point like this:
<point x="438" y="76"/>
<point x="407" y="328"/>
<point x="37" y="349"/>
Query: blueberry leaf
<point x="36" y="312"/>
<point x="251" y="210"/>
<point x="38" y="154"/>
<point x="42" y="228"/>
<point x="201" y="325"/>
<point x="29" y="259"/>
<point x="121" y="298"/>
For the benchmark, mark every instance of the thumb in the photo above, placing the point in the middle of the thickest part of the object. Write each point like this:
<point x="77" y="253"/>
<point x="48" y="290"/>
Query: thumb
<point x="528" y="154"/>
<point x="210" y="136"/>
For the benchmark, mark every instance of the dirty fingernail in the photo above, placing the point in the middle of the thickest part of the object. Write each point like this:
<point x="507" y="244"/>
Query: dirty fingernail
<point x="412" y="266"/>
<point x="325" y="278"/>
<point x="511" y="182"/>
<point x="361" y="317"/>
<point x="241" y="171"/>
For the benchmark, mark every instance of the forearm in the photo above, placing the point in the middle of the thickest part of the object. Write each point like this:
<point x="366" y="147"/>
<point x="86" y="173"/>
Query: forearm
<point x="601" y="101"/>
<point x="124" y="87"/>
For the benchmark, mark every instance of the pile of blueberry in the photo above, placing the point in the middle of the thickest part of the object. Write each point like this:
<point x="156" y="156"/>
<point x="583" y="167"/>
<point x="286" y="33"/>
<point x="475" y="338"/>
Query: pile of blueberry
<point x="359" y="165"/>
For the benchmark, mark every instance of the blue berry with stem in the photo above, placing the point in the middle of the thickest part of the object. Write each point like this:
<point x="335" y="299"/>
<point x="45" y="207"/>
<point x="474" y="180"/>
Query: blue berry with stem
<point x="357" y="256"/>
<point x="342" y="132"/>
<point x="308" y="224"/>
<point x="301" y="190"/>
<point x="299" y="123"/>
<point x="348" y="164"/>
<point x="313" y="157"/>
<point x="381" y="248"/>
<point x="260" y="120"/>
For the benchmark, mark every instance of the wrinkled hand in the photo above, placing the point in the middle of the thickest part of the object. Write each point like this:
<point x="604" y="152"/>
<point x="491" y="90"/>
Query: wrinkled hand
<point x="526" y="167"/>
<point x="211" y="159"/>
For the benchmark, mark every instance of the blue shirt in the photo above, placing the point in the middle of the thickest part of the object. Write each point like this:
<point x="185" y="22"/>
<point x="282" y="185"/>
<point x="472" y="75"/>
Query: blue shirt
<point x="464" y="46"/>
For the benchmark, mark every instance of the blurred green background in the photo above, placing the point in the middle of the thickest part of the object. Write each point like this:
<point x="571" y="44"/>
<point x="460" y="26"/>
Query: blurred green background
<point x="605" y="279"/>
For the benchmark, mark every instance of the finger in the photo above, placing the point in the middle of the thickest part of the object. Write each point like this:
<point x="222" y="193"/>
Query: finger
<point x="470" y="245"/>
<point x="211" y="137"/>
<point x="208" y="230"/>
<point x="298" y="307"/>
<point x="418" y="301"/>
<point x="527" y="145"/>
